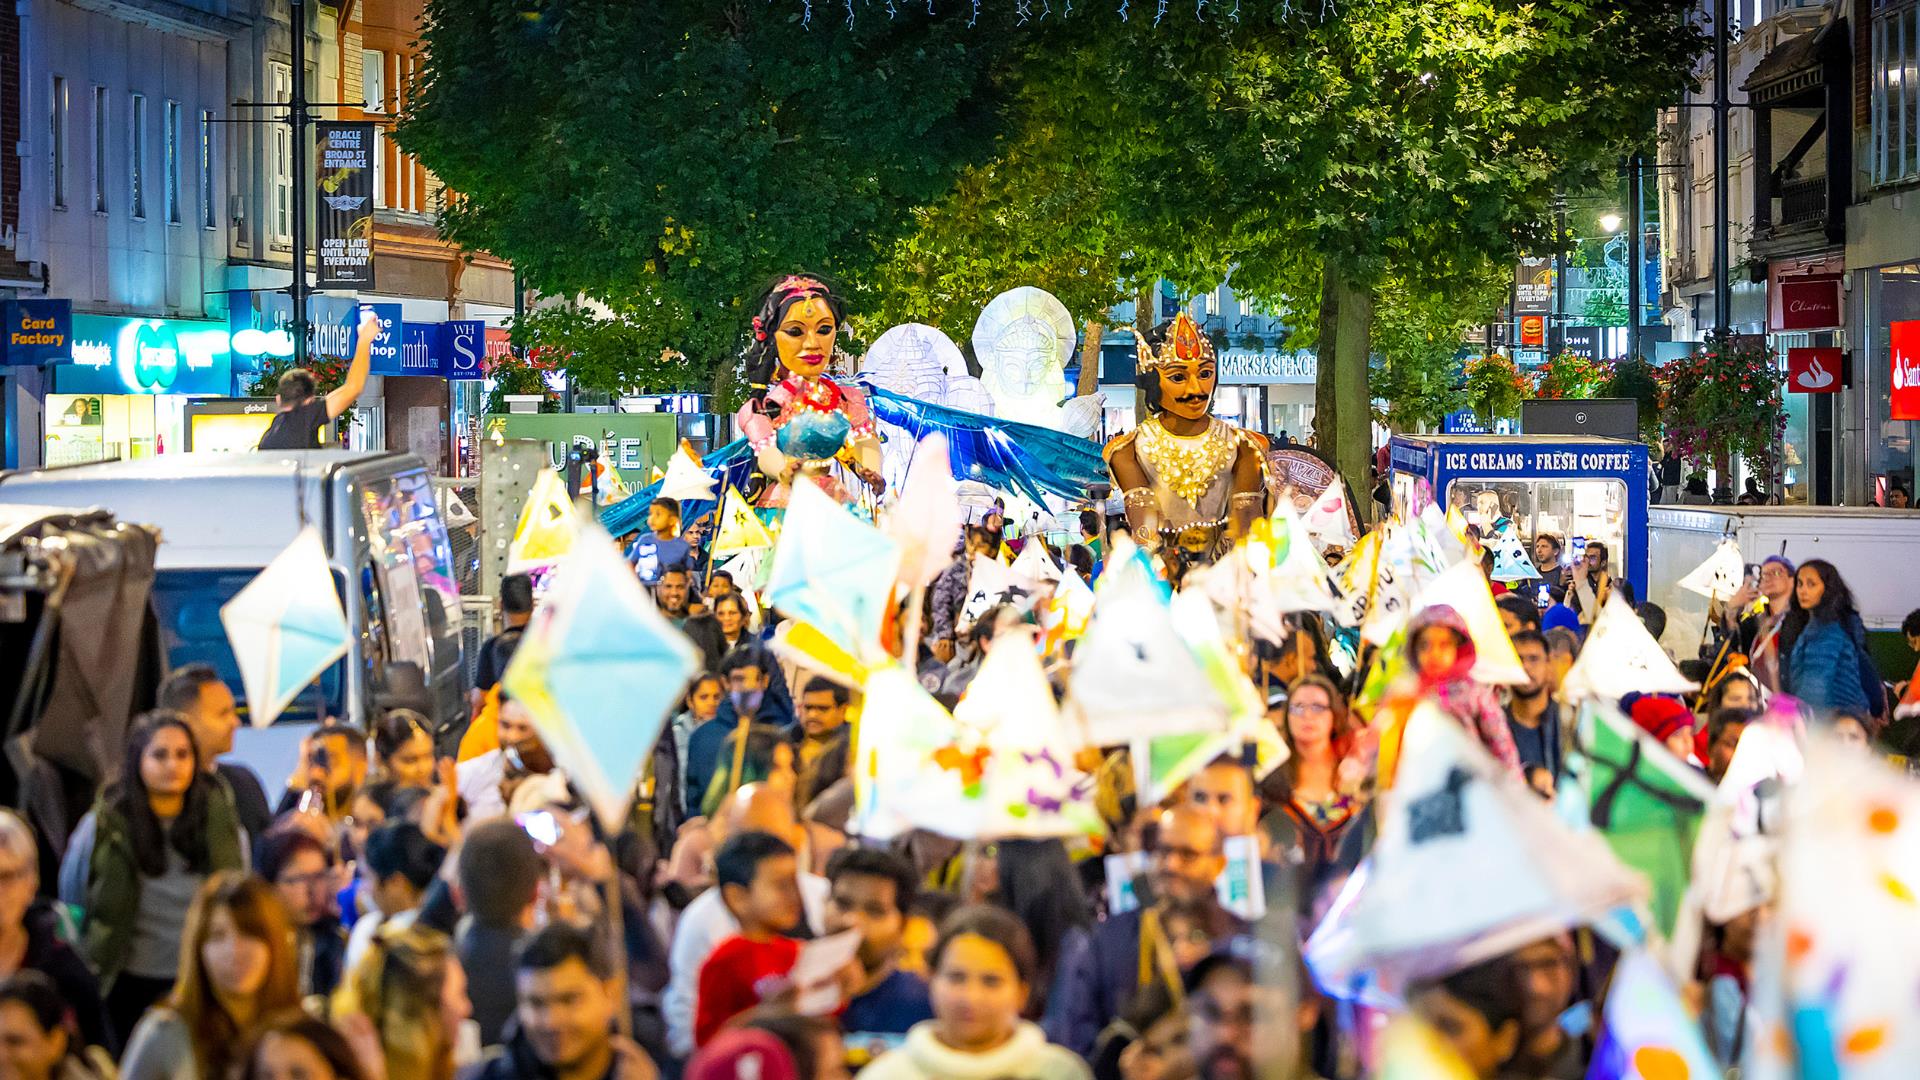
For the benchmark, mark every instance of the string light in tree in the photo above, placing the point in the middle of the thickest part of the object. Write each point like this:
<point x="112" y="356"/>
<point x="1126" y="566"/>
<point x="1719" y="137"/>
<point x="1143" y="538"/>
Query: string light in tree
<point x="1123" y="10"/>
<point x="1020" y="11"/>
<point x="1160" y="13"/>
<point x="849" y="14"/>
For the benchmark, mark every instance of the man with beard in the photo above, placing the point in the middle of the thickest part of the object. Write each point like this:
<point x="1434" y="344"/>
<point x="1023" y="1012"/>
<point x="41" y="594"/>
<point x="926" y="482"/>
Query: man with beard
<point x="1755" y="614"/>
<point x="1533" y="715"/>
<point x="1100" y="972"/>
<point x="1547" y="976"/>
<point x="569" y="994"/>
<point x="1232" y="1021"/>
<point x="1192" y="482"/>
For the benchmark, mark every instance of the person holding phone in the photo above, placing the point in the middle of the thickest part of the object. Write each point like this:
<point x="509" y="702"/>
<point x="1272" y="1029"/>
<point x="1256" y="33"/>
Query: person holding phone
<point x="303" y="411"/>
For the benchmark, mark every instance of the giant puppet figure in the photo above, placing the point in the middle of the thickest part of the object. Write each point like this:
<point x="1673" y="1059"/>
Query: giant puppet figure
<point x="799" y="421"/>
<point x="1192" y="482"/>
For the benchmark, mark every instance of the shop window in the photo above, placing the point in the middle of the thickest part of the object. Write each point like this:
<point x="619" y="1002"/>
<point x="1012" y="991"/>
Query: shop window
<point x="137" y="155"/>
<point x="207" y="220"/>
<point x="1894" y="142"/>
<point x="170" y="133"/>
<point x="57" y="138"/>
<point x="280" y="87"/>
<point x="100" y="148"/>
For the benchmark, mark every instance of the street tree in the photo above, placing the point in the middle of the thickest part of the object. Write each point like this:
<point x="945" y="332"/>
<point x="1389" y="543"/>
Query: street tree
<point x="669" y="159"/>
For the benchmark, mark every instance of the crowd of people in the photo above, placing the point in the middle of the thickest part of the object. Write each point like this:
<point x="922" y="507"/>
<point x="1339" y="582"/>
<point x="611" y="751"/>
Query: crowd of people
<point x="407" y="908"/>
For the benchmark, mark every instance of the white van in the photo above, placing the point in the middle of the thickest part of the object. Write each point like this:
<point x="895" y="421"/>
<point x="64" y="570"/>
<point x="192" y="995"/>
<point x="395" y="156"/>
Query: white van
<point x="224" y="516"/>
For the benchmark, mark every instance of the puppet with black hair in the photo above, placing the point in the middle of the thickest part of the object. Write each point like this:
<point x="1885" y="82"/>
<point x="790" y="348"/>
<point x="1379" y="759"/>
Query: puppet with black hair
<point x="1192" y="482"/>
<point x="798" y="420"/>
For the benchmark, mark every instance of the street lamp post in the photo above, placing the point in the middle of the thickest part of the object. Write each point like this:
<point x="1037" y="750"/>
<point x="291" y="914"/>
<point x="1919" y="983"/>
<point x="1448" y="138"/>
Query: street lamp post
<point x="1557" y="337"/>
<point x="1634" y="257"/>
<point x="297" y="118"/>
<point x="1722" y="279"/>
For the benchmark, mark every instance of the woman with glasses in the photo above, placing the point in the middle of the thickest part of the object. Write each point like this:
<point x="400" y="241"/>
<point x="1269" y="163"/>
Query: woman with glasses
<point x="1318" y="798"/>
<point x="30" y="937"/>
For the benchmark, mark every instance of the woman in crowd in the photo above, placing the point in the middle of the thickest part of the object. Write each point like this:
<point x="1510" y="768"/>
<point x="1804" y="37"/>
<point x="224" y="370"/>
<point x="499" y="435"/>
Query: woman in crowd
<point x="1038" y="884"/>
<point x="296" y="1046"/>
<point x="983" y="973"/>
<point x="409" y="994"/>
<point x="1825" y="646"/>
<point x="1443" y="657"/>
<point x="403" y="748"/>
<point x="736" y="623"/>
<point x="1316" y="803"/>
<point x="30" y="933"/>
<point x="138" y="859"/>
<point x="1735" y="691"/>
<point x="36" y="1042"/>
<point x="237" y="964"/>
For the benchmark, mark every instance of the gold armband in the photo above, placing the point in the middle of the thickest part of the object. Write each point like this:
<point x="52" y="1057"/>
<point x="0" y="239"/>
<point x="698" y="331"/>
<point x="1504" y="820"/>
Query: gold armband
<point x="1143" y="512"/>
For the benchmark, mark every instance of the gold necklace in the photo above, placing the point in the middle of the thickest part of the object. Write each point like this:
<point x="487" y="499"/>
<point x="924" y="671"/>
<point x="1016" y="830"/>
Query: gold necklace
<point x="1187" y="465"/>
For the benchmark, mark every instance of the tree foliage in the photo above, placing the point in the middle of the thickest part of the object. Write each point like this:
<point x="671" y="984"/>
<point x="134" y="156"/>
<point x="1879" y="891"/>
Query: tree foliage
<point x="668" y="159"/>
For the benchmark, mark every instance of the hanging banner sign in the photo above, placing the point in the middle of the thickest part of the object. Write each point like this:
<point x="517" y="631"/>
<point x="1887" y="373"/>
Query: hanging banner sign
<point x="463" y="345"/>
<point x="1533" y="331"/>
<point x="1816" y="371"/>
<point x="1533" y="287"/>
<point x="1808" y="304"/>
<point x="344" y="242"/>
<point x="1903" y="341"/>
<point x="1581" y="341"/>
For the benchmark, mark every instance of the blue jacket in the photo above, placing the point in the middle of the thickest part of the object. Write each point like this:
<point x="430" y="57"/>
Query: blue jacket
<point x="1099" y="973"/>
<point x="1830" y="670"/>
<point x="705" y="744"/>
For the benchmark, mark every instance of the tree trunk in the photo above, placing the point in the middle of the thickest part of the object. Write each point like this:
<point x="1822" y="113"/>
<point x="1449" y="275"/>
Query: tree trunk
<point x="1090" y="358"/>
<point x="1343" y="405"/>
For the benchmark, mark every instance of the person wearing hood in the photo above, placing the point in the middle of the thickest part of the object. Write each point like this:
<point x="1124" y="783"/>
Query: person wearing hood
<point x="1824" y="644"/>
<point x="1669" y="721"/>
<point x="1443" y="657"/>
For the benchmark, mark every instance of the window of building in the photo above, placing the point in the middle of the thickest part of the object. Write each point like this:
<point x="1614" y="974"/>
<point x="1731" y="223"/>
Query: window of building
<point x="373" y="80"/>
<point x="171" y="134"/>
<point x="1894" y="143"/>
<point x="100" y="149"/>
<point x="57" y="138"/>
<point x="280" y="88"/>
<point x="137" y="155"/>
<point x="207" y="220"/>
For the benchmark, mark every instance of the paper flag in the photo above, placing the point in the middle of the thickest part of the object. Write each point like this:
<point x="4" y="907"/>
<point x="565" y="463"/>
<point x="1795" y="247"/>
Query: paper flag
<point x="1720" y="576"/>
<point x="1068" y="612"/>
<point x="1620" y="657"/>
<point x="1464" y="589"/>
<point x="545" y="531"/>
<point x="1646" y="802"/>
<point x="1483" y="863"/>
<point x="453" y="509"/>
<point x="1134" y="676"/>
<point x="991" y="582"/>
<point x="740" y="528"/>
<point x="925" y="522"/>
<point x="1847" y="926"/>
<point x="286" y="627"/>
<point x="1286" y="564"/>
<point x="598" y="671"/>
<point x="1001" y="767"/>
<point x="749" y="572"/>
<point x="1648" y="1033"/>
<point x="685" y="479"/>
<point x="1034" y="563"/>
<point x="832" y="570"/>
<point x="1392" y="586"/>
<point x="1435" y="546"/>
<point x="1329" y="521"/>
<point x="1410" y="1050"/>
<point x="1510" y="560"/>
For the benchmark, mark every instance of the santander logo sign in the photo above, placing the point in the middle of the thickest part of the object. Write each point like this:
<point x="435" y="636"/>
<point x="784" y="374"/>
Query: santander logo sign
<point x="1815" y="371"/>
<point x="1903" y="341"/>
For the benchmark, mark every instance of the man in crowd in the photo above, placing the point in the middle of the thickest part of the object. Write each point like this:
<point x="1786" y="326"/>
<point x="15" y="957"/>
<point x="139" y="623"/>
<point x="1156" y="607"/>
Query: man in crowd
<point x="950" y="593"/>
<point x="302" y="868"/>
<point x="516" y="608"/>
<point x="1754" y="617"/>
<point x="483" y="780"/>
<point x="872" y="891"/>
<point x="822" y="756"/>
<point x="566" y="995"/>
<point x="499" y="875"/>
<point x="1534" y="716"/>
<point x="1224" y="791"/>
<point x="749" y="671"/>
<point x="672" y="592"/>
<point x="197" y="692"/>
<point x="1546" y="972"/>
<point x="1546" y="559"/>
<point x="1517" y="613"/>
<point x="303" y="412"/>
<point x="661" y="547"/>
<point x="1100" y="973"/>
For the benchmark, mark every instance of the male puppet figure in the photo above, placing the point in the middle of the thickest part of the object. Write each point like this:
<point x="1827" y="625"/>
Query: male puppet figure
<point x="1192" y="482"/>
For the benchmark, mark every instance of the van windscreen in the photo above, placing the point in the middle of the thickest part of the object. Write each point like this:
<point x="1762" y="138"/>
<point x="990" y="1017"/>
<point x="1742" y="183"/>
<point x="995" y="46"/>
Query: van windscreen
<point x="188" y="604"/>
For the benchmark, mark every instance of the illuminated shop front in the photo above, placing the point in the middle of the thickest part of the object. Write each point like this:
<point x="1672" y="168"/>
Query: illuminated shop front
<point x="124" y="393"/>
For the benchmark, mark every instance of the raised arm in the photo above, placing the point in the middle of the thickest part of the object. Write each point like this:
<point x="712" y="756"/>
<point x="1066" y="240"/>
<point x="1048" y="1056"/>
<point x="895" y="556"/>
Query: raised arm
<point x="341" y="399"/>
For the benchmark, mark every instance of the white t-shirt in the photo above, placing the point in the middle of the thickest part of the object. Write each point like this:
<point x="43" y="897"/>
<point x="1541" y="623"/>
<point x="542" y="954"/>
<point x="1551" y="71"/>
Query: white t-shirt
<point x="703" y="926"/>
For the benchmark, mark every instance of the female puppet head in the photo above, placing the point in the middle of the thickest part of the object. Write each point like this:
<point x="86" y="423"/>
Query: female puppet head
<point x="795" y="327"/>
<point x="1177" y="369"/>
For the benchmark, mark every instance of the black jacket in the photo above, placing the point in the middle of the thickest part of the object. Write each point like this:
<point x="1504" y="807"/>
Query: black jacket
<point x="516" y="1061"/>
<point x="51" y="956"/>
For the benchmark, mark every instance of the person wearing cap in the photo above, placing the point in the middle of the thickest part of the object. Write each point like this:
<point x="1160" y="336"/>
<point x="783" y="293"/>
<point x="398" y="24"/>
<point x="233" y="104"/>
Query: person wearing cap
<point x="1669" y="721"/>
<point x="1755" y="615"/>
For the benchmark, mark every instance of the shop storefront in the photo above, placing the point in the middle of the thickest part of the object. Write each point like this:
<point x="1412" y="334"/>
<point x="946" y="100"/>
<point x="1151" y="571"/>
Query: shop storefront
<point x="124" y="392"/>
<point x="1268" y="391"/>
<point x="1888" y="383"/>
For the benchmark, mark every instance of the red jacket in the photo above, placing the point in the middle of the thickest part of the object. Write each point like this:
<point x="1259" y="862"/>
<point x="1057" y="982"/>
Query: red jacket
<point x="739" y="974"/>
